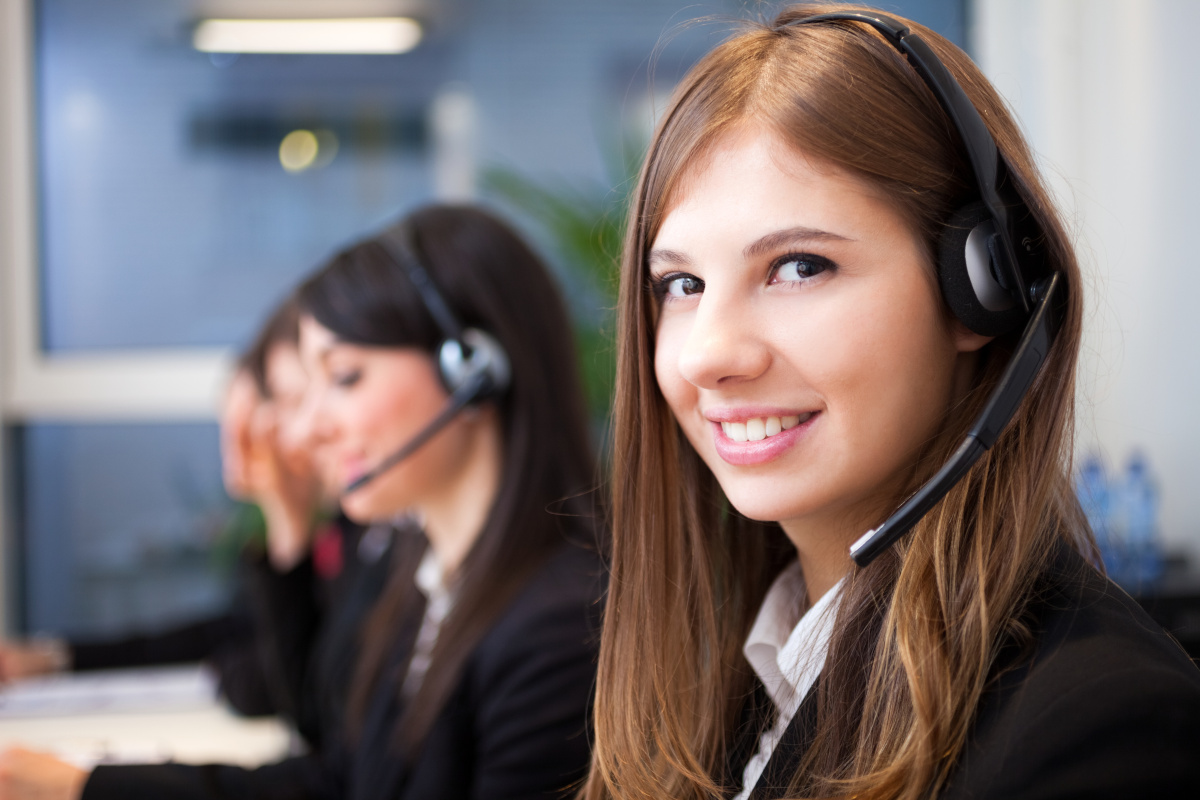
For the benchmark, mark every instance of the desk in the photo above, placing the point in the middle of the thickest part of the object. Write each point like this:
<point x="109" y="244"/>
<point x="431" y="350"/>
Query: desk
<point x="136" y="716"/>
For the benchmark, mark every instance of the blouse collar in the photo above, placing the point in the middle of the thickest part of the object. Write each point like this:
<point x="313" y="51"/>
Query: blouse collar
<point x="787" y="645"/>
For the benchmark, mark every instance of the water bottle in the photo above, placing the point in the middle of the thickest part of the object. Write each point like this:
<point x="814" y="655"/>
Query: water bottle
<point x="1095" y="497"/>
<point x="1139" y="516"/>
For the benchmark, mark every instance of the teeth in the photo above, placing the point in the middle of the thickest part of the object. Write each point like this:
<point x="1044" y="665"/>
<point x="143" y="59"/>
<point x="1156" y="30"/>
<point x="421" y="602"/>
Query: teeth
<point x="759" y="428"/>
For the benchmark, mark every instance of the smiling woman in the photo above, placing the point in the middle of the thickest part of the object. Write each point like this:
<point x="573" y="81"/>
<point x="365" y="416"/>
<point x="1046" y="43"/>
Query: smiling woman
<point x="807" y="360"/>
<point x="807" y="341"/>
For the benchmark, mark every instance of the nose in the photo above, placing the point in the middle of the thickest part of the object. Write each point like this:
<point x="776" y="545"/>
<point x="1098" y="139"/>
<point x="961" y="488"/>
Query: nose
<point x="723" y="345"/>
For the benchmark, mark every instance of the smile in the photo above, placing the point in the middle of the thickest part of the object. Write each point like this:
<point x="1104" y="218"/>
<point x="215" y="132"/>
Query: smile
<point x="758" y="428"/>
<point x="757" y="440"/>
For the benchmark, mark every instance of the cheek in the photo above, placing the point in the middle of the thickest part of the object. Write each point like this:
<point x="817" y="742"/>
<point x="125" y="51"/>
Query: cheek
<point x="677" y="391"/>
<point x="888" y="372"/>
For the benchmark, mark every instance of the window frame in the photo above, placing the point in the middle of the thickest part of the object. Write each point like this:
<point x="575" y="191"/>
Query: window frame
<point x="147" y="385"/>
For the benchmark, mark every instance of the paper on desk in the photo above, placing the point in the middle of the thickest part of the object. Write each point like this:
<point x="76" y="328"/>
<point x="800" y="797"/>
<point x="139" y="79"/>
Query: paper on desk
<point x="116" y="691"/>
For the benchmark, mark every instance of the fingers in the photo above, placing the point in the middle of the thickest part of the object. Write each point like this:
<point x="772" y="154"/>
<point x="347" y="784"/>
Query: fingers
<point x="30" y="775"/>
<point x="241" y="402"/>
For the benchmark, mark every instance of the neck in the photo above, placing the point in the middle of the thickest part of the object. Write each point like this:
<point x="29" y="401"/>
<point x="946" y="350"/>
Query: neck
<point x="455" y="517"/>
<point x="823" y="562"/>
<point x="823" y="545"/>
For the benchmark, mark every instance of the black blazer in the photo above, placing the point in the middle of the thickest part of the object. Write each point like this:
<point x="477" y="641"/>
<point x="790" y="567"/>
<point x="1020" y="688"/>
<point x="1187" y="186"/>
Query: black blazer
<point x="514" y="727"/>
<point x="1103" y="705"/>
<point x="306" y="630"/>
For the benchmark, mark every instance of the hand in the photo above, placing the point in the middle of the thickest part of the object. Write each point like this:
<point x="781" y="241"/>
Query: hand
<point x="259" y="467"/>
<point x="240" y="403"/>
<point x="37" y="657"/>
<point x="29" y="775"/>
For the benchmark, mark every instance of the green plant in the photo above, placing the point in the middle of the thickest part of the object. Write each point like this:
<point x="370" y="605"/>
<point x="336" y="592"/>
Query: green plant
<point x="584" y="222"/>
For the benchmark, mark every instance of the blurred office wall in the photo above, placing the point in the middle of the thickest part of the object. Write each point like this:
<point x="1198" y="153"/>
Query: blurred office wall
<point x="155" y="215"/>
<point x="1106" y="93"/>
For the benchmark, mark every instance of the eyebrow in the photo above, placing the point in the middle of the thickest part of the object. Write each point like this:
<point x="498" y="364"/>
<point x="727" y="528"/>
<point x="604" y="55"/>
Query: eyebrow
<point x="772" y="241"/>
<point x="778" y="239"/>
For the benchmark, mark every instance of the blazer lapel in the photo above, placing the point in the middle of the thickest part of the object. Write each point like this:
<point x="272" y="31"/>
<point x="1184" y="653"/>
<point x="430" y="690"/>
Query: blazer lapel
<point x="786" y="757"/>
<point x="758" y="714"/>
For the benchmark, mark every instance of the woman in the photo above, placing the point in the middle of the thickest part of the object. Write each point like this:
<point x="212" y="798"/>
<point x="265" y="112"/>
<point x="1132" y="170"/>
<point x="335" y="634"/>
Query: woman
<point x="308" y="593"/>
<point x="476" y="669"/>
<point x="789" y="373"/>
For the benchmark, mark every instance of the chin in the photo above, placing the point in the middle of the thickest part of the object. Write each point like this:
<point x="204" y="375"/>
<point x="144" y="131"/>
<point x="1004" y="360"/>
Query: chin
<point x="362" y="507"/>
<point x="761" y="509"/>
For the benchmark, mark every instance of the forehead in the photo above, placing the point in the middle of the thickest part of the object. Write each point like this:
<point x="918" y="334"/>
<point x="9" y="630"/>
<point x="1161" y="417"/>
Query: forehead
<point x="284" y="370"/>
<point x="315" y="338"/>
<point x="754" y="181"/>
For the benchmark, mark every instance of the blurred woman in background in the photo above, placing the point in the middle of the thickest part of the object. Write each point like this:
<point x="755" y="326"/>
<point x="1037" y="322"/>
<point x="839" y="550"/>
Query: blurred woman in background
<point x="475" y="673"/>
<point x="307" y="595"/>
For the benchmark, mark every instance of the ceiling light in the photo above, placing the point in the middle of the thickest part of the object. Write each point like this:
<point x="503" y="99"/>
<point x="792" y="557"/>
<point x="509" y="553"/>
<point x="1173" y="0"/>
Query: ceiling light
<point x="371" y="35"/>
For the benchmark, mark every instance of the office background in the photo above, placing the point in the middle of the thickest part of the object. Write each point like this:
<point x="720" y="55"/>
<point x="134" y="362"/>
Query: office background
<point x="156" y="200"/>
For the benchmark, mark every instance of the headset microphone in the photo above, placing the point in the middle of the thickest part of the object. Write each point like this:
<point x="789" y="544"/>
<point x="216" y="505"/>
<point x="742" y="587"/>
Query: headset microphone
<point x="471" y="363"/>
<point x="990" y="285"/>
<point x="461" y="398"/>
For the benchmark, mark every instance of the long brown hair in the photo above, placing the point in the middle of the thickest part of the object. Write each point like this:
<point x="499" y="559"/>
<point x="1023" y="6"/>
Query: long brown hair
<point x="493" y="281"/>
<point x="919" y="630"/>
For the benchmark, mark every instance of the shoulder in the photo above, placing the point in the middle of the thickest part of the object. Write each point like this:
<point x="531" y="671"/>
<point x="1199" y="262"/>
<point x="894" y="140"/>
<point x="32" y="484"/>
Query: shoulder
<point x="1102" y="703"/>
<point x="558" y="606"/>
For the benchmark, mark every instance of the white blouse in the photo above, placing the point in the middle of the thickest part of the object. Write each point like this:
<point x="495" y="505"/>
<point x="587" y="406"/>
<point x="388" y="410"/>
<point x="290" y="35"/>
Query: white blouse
<point x="787" y="648"/>
<point x="439" y="599"/>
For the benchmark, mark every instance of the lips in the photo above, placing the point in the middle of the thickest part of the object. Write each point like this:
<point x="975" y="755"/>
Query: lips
<point x="750" y="440"/>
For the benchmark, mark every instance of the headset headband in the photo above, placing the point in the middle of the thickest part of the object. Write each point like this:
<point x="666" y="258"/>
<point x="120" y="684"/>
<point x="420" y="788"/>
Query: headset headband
<point x="399" y="245"/>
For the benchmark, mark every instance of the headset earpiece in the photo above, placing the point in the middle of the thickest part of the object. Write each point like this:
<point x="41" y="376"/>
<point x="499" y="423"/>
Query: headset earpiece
<point x="465" y="354"/>
<point x="972" y="284"/>
<point x="476" y="353"/>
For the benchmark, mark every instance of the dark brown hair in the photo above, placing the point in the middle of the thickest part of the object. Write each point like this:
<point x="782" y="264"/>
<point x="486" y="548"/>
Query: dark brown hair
<point x="282" y="327"/>
<point x="493" y="281"/>
<point x="919" y="630"/>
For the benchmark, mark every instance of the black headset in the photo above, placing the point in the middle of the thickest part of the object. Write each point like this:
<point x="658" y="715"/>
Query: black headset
<point x="471" y="362"/>
<point x="991" y="269"/>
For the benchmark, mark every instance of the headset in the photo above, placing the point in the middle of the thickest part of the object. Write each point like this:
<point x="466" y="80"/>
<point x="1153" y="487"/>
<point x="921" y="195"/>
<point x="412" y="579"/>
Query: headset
<point x="990" y="284"/>
<point x="472" y="364"/>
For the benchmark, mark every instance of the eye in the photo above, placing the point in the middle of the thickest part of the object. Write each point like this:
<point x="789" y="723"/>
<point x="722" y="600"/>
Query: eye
<point x="799" y="267"/>
<point x="346" y="378"/>
<point x="676" y="285"/>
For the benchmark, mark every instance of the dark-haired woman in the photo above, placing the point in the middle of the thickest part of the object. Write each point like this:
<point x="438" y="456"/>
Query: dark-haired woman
<point x="476" y="667"/>
<point x="790" y="373"/>
<point x="308" y="589"/>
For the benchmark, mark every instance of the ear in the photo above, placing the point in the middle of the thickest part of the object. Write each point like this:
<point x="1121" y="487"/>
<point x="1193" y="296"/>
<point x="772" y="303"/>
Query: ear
<point x="965" y="339"/>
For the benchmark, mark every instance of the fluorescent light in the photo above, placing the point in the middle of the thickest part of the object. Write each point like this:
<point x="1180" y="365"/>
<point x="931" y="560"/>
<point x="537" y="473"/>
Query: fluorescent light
<point x="373" y="35"/>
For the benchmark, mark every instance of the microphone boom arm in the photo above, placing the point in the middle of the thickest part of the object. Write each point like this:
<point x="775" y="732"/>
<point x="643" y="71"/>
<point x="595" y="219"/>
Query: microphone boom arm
<point x="1018" y="376"/>
<point x="462" y="397"/>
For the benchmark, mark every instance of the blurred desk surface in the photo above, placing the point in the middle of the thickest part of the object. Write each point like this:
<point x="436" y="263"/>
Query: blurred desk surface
<point x="136" y="716"/>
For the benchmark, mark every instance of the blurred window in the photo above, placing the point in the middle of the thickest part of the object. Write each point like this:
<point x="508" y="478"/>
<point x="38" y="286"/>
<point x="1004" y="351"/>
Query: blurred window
<point x="127" y="526"/>
<point x="183" y="191"/>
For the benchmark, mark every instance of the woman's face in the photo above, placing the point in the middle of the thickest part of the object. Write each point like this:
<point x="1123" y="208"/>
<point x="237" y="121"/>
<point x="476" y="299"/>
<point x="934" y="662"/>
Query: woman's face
<point x="801" y="341"/>
<point x="287" y="383"/>
<point x="363" y="404"/>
